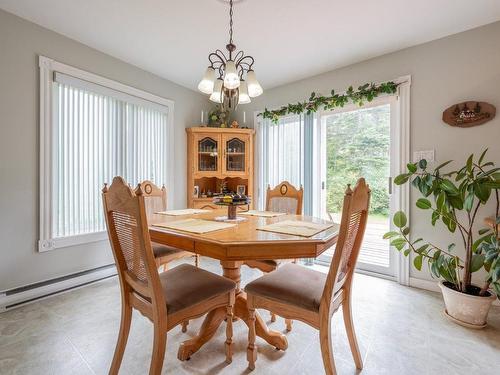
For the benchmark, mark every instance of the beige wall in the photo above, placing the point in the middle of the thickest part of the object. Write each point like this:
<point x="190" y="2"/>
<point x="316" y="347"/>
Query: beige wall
<point x="461" y="67"/>
<point x="20" y="44"/>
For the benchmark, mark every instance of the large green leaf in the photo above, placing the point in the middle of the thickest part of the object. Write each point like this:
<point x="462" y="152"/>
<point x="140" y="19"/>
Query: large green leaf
<point x="416" y="182"/>
<point x="492" y="184"/>
<point x="417" y="262"/>
<point x="423" y="203"/>
<point x="421" y="249"/>
<point x="488" y="173"/>
<point x="398" y="243"/>
<point x="452" y="226"/>
<point x="400" y="219"/>
<point x="468" y="164"/>
<point x="401" y="179"/>
<point x="456" y="202"/>
<point x="412" y="167"/>
<point x="477" y="262"/>
<point x="483" y="231"/>
<point x="390" y="235"/>
<point x="440" y="201"/>
<point x="435" y="217"/>
<point x="480" y="240"/>
<point x="449" y="187"/>
<point x="482" y="157"/>
<point x="469" y="202"/>
<point x="495" y="274"/>
<point x="482" y="192"/>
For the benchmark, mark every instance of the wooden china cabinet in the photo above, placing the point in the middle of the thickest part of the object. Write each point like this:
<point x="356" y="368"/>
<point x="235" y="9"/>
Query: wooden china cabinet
<point x="217" y="156"/>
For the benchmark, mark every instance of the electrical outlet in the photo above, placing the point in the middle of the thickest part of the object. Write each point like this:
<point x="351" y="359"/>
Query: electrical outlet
<point x="427" y="155"/>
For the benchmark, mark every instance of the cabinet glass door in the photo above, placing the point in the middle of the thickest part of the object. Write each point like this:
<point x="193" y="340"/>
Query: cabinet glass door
<point x="207" y="155"/>
<point x="235" y="155"/>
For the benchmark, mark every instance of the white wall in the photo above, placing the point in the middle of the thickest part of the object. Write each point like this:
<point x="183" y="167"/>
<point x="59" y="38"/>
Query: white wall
<point x="20" y="44"/>
<point x="461" y="67"/>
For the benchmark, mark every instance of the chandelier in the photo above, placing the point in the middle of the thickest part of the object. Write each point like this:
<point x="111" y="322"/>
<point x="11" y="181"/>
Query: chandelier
<point x="236" y="82"/>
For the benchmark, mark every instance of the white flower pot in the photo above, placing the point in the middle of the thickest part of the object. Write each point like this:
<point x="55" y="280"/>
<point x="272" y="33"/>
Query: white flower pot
<point x="465" y="309"/>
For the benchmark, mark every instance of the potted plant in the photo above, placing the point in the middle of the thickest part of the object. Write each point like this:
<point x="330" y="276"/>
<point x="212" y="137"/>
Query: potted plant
<point x="218" y="118"/>
<point x="455" y="199"/>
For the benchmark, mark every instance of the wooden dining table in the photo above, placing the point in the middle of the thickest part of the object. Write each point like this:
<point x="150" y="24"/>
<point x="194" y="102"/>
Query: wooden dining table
<point x="232" y="246"/>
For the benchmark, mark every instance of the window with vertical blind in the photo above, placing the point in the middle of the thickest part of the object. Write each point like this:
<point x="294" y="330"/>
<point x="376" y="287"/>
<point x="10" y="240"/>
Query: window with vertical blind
<point x="95" y="129"/>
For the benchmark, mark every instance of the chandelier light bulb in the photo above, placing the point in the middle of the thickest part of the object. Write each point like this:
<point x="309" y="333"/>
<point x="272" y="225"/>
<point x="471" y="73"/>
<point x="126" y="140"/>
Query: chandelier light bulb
<point x="254" y="87"/>
<point x="217" y="93"/>
<point x="206" y="84"/>
<point x="231" y="79"/>
<point x="243" y="98"/>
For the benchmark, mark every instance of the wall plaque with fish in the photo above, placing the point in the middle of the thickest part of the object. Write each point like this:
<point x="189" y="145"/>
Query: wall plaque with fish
<point x="469" y="114"/>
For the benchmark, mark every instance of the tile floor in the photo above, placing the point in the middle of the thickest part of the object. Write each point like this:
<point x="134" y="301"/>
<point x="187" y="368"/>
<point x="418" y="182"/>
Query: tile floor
<point x="400" y="331"/>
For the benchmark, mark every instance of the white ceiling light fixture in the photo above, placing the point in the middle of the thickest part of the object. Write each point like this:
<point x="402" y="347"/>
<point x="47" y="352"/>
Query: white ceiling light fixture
<point x="254" y="87"/>
<point x="244" y="98"/>
<point x="230" y="88"/>
<point x="216" y="95"/>
<point x="206" y="85"/>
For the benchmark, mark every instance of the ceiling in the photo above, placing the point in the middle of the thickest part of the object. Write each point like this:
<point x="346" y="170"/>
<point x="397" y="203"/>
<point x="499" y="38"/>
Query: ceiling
<point x="289" y="40"/>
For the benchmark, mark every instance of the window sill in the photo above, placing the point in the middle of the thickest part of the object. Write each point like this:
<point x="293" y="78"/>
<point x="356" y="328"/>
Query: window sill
<point x="61" y="242"/>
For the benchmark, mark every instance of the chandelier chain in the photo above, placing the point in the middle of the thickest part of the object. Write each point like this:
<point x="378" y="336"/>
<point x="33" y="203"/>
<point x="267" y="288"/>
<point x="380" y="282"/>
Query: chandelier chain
<point x="230" y="21"/>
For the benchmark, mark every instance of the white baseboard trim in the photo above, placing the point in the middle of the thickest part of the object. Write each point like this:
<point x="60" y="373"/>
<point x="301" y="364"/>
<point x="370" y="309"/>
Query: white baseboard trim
<point x="13" y="298"/>
<point x="433" y="286"/>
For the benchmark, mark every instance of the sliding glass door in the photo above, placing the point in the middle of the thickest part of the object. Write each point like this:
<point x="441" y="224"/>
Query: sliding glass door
<point x="326" y="152"/>
<point x="357" y="142"/>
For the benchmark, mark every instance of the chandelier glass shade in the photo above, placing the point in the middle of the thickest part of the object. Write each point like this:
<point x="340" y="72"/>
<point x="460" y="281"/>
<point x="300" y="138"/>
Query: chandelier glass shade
<point x="230" y="79"/>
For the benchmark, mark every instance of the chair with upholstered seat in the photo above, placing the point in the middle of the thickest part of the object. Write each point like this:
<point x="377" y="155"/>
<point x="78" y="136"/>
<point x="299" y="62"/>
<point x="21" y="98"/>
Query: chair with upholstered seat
<point x="304" y="294"/>
<point x="167" y="299"/>
<point x="155" y="200"/>
<point x="284" y="198"/>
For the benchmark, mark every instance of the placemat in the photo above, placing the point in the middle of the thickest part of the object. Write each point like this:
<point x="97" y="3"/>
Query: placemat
<point x="187" y="211"/>
<point x="262" y="213"/>
<point x="195" y="225"/>
<point x="296" y="228"/>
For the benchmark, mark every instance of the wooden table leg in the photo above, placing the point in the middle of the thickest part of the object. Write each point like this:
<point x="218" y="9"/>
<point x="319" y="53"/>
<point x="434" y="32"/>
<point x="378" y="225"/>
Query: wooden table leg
<point x="273" y="338"/>
<point x="210" y="325"/>
<point x="232" y="270"/>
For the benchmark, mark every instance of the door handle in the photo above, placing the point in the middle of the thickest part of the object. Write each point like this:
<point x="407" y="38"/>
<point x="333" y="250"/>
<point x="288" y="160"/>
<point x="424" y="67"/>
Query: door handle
<point x="390" y="185"/>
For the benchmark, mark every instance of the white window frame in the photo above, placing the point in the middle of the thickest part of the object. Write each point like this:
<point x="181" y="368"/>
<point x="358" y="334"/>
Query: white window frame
<point x="48" y="67"/>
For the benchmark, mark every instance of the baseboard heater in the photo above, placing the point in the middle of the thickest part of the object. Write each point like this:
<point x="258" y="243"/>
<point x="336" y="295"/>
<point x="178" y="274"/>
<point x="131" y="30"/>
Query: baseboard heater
<point x="19" y="296"/>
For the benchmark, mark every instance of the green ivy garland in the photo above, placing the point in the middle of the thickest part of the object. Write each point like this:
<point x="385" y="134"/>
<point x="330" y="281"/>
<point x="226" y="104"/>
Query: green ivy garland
<point x="366" y="92"/>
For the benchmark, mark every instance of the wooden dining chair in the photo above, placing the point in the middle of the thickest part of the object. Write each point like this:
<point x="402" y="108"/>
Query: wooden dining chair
<point x="284" y="198"/>
<point x="311" y="296"/>
<point x="167" y="299"/>
<point x="155" y="200"/>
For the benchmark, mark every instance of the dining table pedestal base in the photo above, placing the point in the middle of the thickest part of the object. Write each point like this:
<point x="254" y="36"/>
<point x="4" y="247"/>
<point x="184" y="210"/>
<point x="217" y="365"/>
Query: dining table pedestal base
<point x="232" y="270"/>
